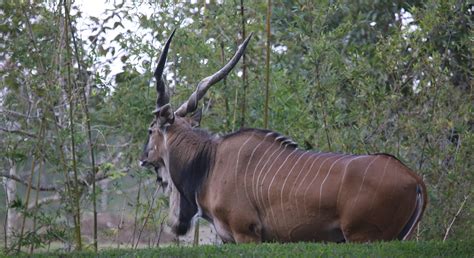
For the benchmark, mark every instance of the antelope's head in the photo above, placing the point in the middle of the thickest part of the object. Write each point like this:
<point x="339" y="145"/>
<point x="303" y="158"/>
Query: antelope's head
<point x="166" y="121"/>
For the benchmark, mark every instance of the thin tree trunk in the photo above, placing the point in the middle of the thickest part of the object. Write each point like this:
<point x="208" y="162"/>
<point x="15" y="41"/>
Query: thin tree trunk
<point x="35" y="209"/>
<point x="244" y="70"/>
<point x="70" y="92"/>
<point x="89" y="130"/>
<point x="267" y="63"/>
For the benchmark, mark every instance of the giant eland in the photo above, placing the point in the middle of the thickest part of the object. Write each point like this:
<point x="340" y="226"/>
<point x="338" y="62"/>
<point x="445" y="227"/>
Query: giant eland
<point x="256" y="185"/>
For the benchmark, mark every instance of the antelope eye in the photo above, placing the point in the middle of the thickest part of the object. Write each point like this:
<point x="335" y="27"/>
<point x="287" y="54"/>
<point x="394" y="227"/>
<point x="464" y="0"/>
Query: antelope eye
<point x="150" y="131"/>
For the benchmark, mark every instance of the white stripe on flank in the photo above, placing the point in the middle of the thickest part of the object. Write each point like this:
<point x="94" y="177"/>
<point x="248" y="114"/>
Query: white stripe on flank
<point x="312" y="181"/>
<point x="380" y="182"/>
<point x="237" y="164"/>
<point x="274" y="175"/>
<point x="263" y="180"/>
<point x="299" y="173"/>
<point x="247" y="168"/>
<point x="262" y="171"/>
<point x="265" y="170"/>
<point x="362" y="183"/>
<point x="283" y="188"/>
<point x="303" y="179"/>
<point x="291" y="170"/>
<point x="344" y="176"/>
<point x="324" y="181"/>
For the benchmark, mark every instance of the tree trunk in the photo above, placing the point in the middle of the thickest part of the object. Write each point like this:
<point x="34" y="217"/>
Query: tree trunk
<point x="12" y="215"/>
<point x="267" y="65"/>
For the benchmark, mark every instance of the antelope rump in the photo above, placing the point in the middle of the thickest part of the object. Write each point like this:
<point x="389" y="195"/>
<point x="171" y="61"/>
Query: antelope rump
<point x="256" y="185"/>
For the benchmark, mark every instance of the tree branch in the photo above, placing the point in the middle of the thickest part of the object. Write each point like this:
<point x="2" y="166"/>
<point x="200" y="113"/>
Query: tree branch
<point x="24" y="182"/>
<point x="20" y="132"/>
<point x="16" y="114"/>
<point x="45" y="200"/>
<point x="86" y="181"/>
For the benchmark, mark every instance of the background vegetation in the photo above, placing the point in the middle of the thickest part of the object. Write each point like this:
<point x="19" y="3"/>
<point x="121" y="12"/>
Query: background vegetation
<point x="345" y="76"/>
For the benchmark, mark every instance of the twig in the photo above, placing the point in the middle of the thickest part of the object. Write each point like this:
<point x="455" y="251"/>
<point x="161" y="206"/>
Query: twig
<point x="157" y="230"/>
<point x="455" y="217"/>
<point x="120" y="224"/>
<point x="161" y="230"/>
<point x="147" y="215"/>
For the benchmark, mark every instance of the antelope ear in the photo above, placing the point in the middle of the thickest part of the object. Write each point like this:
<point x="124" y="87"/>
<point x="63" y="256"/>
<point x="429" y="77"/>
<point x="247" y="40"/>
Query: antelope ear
<point x="164" y="115"/>
<point x="195" y="119"/>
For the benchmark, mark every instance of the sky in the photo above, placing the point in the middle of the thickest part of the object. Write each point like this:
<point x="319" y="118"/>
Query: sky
<point x="97" y="8"/>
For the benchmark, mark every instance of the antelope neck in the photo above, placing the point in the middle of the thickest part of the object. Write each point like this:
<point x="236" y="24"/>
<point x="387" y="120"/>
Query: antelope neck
<point x="192" y="155"/>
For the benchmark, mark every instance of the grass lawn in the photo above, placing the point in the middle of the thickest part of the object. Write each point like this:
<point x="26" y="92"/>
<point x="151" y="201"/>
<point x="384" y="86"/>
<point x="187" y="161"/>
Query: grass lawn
<point x="387" y="249"/>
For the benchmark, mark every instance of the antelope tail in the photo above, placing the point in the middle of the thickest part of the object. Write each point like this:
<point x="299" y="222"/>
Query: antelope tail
<point x="416" y="216"/>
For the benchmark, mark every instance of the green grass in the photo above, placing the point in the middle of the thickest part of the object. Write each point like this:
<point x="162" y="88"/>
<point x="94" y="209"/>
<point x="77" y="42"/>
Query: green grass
<point x="387" y="249"/>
